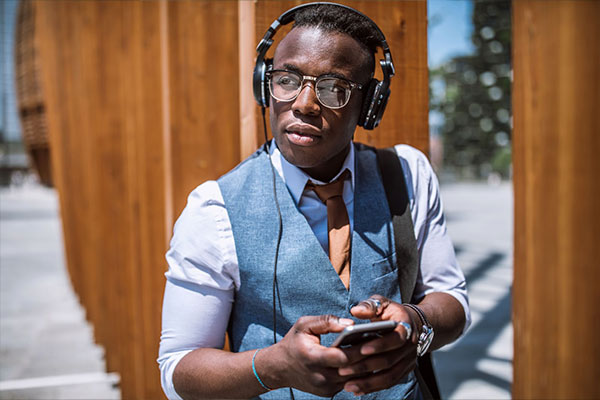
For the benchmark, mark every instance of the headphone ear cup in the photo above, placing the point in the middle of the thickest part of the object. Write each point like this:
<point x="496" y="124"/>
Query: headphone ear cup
<point x="376" y="107"/>
<point x="265" y="81"/>
<point x="260" y="83"/>
<point x="367" y="101"/>
<point x="384" y="95"/>
<point x="257" y="83"/>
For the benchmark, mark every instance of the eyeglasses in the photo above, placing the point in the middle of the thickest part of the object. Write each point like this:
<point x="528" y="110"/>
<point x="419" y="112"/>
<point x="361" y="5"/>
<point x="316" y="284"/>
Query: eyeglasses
<point x="332" y="92"/>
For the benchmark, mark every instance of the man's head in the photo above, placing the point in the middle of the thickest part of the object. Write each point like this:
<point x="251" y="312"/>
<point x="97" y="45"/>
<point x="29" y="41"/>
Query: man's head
<point x="331" y="18"/>
<point x="325" y="41"/>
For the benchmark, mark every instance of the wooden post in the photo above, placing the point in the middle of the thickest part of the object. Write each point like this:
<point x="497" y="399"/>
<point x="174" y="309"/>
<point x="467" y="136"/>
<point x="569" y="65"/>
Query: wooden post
<point x="556" y="104"/>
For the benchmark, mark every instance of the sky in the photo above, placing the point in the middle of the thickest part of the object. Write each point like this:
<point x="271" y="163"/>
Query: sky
<point x="449" y="29"/>
<point x="9" y="122"/>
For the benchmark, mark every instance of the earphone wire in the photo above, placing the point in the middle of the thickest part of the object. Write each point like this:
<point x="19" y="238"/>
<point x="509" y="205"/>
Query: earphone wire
<point x="279" y="234"/>
<point x="280" y="224"/>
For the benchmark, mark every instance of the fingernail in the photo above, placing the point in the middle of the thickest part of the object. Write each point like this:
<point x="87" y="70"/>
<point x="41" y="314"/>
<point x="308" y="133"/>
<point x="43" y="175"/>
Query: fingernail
<point x="351" y="388"/>
<point x="366" y="350"/>
<point x="345" y="321"/>
<point x="345" y="371"/>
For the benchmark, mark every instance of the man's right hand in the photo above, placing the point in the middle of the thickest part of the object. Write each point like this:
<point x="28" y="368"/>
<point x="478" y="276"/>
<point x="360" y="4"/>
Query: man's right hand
<point x="300" y="361"/>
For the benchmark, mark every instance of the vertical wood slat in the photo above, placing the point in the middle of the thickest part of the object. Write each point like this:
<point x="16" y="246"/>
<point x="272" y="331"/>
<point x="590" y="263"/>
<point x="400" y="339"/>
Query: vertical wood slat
<point x="557" y="223"/>
<point x="103" y="90"/>
<point x="204" y="93"/>
<point x="107" y="68"/>
<point x="250" y="126"/>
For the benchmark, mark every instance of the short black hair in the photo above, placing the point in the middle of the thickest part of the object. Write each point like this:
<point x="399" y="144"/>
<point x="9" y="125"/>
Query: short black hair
<point x="332" y="18"/>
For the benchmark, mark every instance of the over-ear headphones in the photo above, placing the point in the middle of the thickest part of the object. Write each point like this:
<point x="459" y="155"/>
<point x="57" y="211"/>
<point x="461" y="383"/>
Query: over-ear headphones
<point x="377" y="92"/>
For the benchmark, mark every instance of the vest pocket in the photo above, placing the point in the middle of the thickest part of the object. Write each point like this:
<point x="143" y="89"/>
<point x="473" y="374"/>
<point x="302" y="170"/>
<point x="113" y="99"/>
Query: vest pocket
<point x="385" y="265"/>
<point x="385" y="282"/>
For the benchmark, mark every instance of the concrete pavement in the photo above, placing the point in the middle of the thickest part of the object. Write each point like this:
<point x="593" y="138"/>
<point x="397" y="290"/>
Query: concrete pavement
<point x="479" y="219"/>
<point x="46" y="346"/>
<point x="47" y="350"/>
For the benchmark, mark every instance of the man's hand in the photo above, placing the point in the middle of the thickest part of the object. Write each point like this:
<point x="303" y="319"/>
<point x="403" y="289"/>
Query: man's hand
<point x="300" y="361"/>
<point x="382" y="362"/>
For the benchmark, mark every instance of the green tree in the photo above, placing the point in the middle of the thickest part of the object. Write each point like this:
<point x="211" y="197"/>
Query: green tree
<point x="472" y="93"/>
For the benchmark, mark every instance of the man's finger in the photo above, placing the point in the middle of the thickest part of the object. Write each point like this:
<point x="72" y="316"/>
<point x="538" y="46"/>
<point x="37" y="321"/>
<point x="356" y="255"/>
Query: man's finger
<point x="370" y="308"/>
<point x="321" y="324"/>
<point x="381" y="380"/>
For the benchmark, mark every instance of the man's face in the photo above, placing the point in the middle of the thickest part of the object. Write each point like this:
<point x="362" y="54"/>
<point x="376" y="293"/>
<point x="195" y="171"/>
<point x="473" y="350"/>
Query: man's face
<point x="308" y="134"/>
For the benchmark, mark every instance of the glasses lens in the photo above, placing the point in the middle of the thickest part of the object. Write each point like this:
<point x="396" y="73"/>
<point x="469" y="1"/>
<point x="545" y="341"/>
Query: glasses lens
<point x="284" y="85"/>
<point x="333" y="92"/>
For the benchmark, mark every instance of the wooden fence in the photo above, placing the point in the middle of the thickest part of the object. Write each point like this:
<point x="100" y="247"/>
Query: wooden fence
<point x="146" y="100"/>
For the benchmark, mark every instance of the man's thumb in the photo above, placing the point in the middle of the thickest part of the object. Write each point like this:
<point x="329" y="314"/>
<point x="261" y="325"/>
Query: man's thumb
<point x="322" y="324"/>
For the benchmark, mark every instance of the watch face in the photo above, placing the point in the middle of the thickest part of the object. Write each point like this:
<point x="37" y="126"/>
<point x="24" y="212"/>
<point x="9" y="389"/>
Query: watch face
<point x="425" y="340"/>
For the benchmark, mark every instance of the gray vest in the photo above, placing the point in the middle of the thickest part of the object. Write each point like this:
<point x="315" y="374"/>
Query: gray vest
<point x="307" y="284"/>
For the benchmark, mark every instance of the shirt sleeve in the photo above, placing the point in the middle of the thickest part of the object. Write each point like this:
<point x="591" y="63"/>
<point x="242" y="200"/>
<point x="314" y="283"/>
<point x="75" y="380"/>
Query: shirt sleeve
<point x="201" y="280"/>
<point x="439" y="269"/>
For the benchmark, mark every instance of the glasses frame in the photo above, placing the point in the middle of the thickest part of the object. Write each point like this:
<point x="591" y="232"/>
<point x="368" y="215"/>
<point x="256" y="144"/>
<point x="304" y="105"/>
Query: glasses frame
<point x="315" y="80"/>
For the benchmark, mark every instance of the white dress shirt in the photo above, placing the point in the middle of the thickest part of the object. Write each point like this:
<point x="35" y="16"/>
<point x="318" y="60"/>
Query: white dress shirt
<point x="203" y="270"/>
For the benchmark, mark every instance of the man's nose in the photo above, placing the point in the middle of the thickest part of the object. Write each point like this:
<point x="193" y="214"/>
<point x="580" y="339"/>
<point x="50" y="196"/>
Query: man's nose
<point x="307" y="102"/>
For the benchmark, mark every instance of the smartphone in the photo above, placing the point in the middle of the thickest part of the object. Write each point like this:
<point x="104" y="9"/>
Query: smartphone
<point x="355" y="334"/>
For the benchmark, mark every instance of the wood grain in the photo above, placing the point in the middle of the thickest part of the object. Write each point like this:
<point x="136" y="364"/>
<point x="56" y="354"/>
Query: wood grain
<point x="204" y="93"/>
<point x="103" y="92"/>
<point x="557" y="223"/>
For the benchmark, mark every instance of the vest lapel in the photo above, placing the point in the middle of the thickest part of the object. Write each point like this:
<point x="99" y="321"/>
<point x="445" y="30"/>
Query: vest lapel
<point x="372" y="239"/>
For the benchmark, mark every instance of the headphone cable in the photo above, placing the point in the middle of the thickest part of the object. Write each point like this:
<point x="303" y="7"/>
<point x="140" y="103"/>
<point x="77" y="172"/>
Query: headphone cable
<point x="279" y="233"/>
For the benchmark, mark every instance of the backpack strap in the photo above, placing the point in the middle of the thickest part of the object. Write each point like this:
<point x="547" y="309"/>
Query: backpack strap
<point x="406" y="251"/>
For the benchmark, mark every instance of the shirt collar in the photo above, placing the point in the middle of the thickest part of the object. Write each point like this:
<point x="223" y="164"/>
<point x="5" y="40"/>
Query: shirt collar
<point x="295" y="179"/>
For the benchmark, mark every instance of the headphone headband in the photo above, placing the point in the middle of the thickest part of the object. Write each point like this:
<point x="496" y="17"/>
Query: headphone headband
<point x="378" y="92"/>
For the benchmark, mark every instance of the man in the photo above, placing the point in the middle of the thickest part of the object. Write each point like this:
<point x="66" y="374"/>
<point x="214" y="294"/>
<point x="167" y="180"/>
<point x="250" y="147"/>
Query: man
<point x="221" y="276"/>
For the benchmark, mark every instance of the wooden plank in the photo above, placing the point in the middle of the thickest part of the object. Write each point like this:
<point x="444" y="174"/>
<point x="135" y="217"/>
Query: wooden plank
<point x="103" y="81"/>
<point x="249" y="139"/>
<point x="557" y="224"/>
<point x="204" y="93"/>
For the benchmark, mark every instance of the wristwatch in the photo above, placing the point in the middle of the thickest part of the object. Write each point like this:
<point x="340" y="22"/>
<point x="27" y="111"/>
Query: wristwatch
<point x="426" y="336"/>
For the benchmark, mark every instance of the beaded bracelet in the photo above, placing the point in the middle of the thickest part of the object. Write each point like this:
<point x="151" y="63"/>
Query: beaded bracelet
<point x="256" y="373"/>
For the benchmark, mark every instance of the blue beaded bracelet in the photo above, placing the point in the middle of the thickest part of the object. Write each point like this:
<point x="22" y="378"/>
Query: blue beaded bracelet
<point x="256" y="374"/>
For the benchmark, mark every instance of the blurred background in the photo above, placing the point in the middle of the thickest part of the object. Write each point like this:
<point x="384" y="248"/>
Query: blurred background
<point x="81" y="267"/>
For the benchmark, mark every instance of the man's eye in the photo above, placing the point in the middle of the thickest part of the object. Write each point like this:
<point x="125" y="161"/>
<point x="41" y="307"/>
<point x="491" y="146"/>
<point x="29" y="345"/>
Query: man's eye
<point x="287" y="81"/>
<point x="334" y="89"/>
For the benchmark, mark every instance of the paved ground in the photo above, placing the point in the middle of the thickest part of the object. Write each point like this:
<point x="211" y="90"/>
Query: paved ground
<point x="479" y="366"/>
<point x="43" y="333"/>
<point x="46" y="347"/>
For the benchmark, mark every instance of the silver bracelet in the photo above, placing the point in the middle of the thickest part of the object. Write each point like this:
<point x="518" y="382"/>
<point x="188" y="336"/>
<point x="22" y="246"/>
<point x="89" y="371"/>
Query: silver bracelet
<point x="426" y="336"/>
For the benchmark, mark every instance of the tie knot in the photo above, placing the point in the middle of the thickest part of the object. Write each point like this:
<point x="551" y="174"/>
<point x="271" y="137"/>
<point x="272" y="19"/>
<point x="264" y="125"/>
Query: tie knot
<point x="332" y="189"/>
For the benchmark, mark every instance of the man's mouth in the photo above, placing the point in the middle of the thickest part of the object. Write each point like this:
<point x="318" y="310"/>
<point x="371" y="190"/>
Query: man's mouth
<point x="302" y="135"/>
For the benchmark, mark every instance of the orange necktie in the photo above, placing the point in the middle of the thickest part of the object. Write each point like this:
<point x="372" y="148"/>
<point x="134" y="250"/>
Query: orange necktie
<point x="338" y="224"/>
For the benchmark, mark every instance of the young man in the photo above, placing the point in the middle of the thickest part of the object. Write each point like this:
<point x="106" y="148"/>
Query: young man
<point x="222" y="253"/>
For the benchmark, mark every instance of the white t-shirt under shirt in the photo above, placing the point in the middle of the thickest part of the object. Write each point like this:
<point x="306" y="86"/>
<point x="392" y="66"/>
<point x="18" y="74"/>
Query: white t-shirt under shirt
<point x="203" y="270"/>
